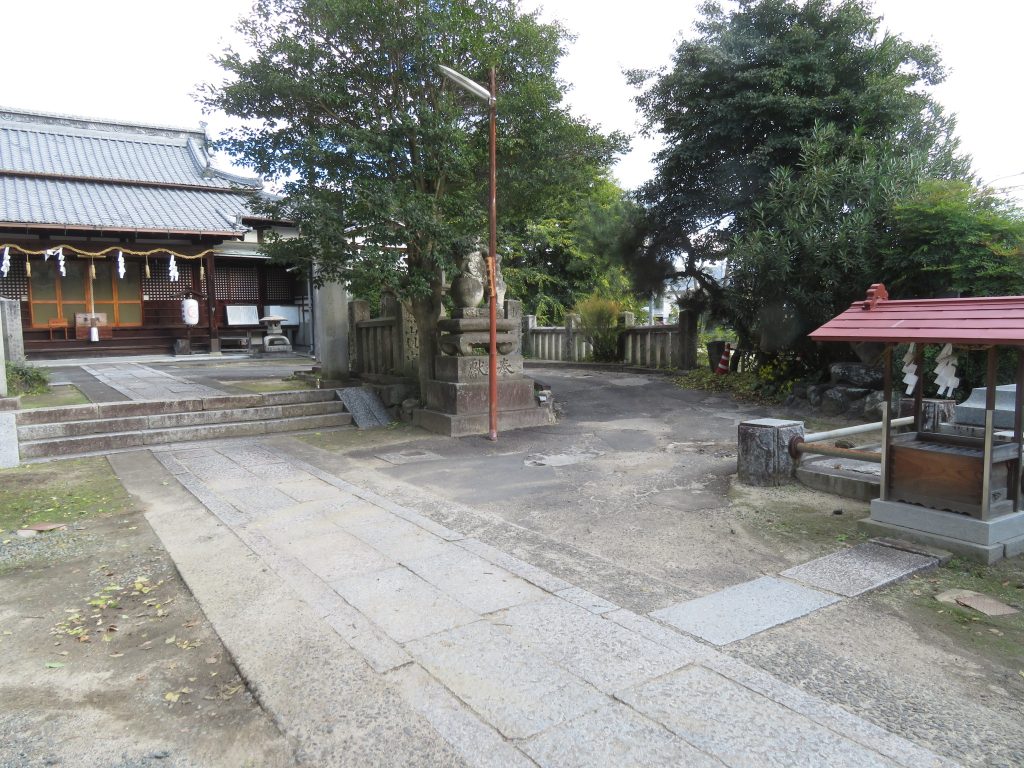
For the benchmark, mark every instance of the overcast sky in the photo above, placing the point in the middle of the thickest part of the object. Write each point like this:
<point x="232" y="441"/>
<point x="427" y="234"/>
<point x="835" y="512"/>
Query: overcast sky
<point x="140" y="60"/>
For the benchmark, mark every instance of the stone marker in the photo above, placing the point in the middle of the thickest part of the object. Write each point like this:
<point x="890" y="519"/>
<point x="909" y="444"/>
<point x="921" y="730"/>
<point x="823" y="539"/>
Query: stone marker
<point x="366" y="408"/>
<point x="763" y="457"/>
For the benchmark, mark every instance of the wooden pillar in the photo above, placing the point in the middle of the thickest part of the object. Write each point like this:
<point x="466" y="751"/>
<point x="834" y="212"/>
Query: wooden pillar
<point x="883" y="485"/>
<point x="211" y="303"/>
<point x="919" y="387"/>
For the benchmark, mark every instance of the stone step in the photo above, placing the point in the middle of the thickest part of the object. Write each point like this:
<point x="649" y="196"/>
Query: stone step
<point x="116" y="441"/>
<point x="133" y="408"/>
<point x="33" y="432"/>
<point x="843" y="477"/>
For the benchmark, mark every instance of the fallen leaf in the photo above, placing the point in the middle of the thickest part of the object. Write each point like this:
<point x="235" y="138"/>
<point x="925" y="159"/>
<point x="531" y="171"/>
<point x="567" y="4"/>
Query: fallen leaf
<point x="170" y="640"/>
<point x="116" y="655"/>
<point x="172" y="696"/>
<point x="54" y="665"/>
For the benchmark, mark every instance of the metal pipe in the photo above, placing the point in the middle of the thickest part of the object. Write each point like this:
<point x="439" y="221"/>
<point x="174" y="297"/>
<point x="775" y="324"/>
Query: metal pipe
<point x="493" y="264"/>
<point x="856" y="430"/>
<point x="798" y="448"/>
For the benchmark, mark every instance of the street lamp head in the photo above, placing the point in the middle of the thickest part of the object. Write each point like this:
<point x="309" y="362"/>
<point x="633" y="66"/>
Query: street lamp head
<point x="466" y="84"/>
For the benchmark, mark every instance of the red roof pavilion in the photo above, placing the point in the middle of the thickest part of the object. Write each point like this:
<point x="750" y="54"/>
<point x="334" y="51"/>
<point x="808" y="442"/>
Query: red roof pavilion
<point x="997" y="320"/>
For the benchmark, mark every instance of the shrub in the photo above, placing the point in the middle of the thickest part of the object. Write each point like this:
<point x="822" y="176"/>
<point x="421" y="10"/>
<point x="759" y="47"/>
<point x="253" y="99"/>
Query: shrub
<point x="598" y="319"/>
<point x="24" y="379"/>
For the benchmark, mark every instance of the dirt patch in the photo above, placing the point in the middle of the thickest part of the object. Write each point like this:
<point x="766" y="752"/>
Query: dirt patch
<point x="106" y="658"/>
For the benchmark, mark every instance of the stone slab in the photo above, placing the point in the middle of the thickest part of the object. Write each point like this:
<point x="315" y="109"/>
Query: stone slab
<point x="586" y="600"/>
<point x="9" y="455"/>
<point x="402" y="604"/>
<point x="982" y="553"/>
<point x="531" y="573"/>
<point x="614" y="737"/>
<point x="409" y="456"/>
<point x="399" y="539"/>
<point x="743" y="610"/>
<point x="332" y="554"/>
<point x="948" y="524"/>
<point x="740" y="727"/>
<point x="472" y="581"/>
<point x="512" y="687"/>
<point x="365" y="406"/>
<point x="605" y="654"/>
<point x="860" y="569"/>
<point x="476" y="742"/>
<point x="464" y="425"/>
<point x="470" y="398"/>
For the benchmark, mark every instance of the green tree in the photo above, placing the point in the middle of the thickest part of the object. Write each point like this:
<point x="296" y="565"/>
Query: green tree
<point x="950" y="237"/>
<point x="741" y="96"/>
<point x="383" y="163"/>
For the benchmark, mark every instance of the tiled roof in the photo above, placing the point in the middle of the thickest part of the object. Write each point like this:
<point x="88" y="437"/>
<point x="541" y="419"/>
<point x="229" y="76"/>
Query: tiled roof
<point x="64" y="171"/>
<point x="91" y="205"/>
<point x="990" y="320"/>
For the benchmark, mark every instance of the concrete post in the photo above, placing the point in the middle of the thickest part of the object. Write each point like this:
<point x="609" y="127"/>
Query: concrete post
<point x="529" y="324"/>
<point x="628" y="319"/>
<point x="763" y="457"/>
<point x="331" y="330"/>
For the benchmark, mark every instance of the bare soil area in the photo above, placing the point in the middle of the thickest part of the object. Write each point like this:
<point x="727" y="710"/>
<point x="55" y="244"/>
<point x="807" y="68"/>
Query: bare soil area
<point x="105" y="657"/>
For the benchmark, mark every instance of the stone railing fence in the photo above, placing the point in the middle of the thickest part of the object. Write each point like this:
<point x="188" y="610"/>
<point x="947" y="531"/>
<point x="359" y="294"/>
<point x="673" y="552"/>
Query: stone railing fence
<point x="385" y="345"/>
<point x="643" y="346"/>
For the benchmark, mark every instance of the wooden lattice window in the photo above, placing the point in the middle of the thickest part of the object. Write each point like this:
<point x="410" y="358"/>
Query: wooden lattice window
<point x="158" y="287"/>
<point x="15" y="285"/>
<point x="280" y="286"/>
<point x="237" y="283"/>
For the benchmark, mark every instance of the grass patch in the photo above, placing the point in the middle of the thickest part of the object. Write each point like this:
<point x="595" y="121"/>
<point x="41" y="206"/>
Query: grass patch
<point x="743" y="385"/>
<point x="61" y="394"/>
<point x="1000" y="638"/>
<point x="260" y="386"/>
<point x="25" y="379"/>
<point x="60" y="492"/>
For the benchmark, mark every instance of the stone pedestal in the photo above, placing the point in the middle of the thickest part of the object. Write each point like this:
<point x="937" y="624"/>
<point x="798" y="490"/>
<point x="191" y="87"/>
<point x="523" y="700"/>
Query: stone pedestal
<point x="458" y="400"/>
<point x="763" y="455"/>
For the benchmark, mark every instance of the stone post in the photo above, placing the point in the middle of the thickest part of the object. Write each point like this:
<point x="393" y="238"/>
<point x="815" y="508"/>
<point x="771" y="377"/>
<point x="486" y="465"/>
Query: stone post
<point x="331" y="330"/>
<point x="628" y="319"/>
<point x="10" y="330"/>
<point x="8" y="428"/>
<point x="529" y="324"/>
<point x="686" y="340"/>
<point x="763" y="456"/>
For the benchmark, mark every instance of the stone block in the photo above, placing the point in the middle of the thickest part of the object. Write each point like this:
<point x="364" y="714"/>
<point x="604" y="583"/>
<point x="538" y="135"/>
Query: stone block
<point x="605" y="654"/>
<point x="467" y="398"/>
<point x="513" y="687"/>
<point x="763" y="451"/>
<point x="613" y="737"/>
<point x="464" y="425"/>
<point x="739" y="727"/>
<point x="949" y="524"/>
<point x="473" y="368"/>
<point x="473" y="581"/>
<point x="972" y="410"/>
<point x="9" y="455"/>
<point x="1014" y="547"/>
<point x="402" y="604"/>
<point x="743" y="610"/>
<point x="982" y="553"/>
<point x="860" y="569"/>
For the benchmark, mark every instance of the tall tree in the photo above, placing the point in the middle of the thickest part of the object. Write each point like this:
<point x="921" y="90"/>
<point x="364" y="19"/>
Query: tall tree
<point x="383" y="163"/>
<point x="741" y="96"/>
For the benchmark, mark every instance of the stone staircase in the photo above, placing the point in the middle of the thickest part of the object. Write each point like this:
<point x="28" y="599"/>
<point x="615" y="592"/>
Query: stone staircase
<point x="80" y="430"/>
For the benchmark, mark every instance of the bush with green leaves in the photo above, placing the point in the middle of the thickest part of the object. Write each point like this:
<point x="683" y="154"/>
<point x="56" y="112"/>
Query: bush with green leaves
<point x="599" y="319"/>
<point x="24" y="379"/>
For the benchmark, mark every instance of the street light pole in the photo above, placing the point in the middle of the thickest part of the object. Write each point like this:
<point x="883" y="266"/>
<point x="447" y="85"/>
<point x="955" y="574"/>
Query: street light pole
<point x="491" y="97"/>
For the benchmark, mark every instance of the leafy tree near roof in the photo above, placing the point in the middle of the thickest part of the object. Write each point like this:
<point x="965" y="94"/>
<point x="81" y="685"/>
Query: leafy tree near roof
<point x="741" y="97"/>
<point x="384" y="163"/>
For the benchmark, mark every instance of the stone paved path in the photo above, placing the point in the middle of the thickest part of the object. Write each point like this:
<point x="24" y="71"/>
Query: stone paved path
<point x="509" y="665"/>
<point x="141" y="382"/>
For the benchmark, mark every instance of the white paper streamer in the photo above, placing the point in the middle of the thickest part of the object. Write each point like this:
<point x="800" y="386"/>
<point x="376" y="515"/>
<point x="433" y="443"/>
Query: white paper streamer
<point x="120" y="265"/>
<point x="5" y="264"/>
<point x="60" y="262"/>
<point x="910" y="376"/>
<point x="945" y="371"/>
<point x="172" y="270"/>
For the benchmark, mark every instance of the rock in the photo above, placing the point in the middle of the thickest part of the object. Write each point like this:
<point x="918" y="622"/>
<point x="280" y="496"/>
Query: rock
<point x="408" y="406"/>
<point x="834" y="402"/>
<point x="815" y="392"/>
<point x="857" y="374"/>
<point x="873" y="406"/>
<point x="856" y="393"/>
<point x="791" y="401"/>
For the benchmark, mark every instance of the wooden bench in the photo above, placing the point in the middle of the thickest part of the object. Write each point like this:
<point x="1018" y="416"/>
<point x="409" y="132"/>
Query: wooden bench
<point x="58" y="324"/>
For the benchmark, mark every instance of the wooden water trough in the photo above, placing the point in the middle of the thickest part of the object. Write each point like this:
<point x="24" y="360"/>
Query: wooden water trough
<point x="954" y="487"/>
